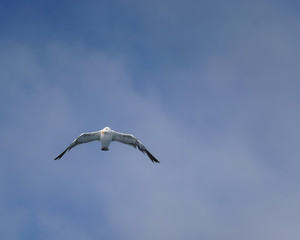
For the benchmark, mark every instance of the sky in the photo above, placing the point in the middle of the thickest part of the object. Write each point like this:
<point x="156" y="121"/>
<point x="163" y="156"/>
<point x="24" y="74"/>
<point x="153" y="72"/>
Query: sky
<point x="210" y="87"/>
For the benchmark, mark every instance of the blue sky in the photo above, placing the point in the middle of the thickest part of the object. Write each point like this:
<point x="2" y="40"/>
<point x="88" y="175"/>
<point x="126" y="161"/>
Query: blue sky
<point x="210" y="87"/>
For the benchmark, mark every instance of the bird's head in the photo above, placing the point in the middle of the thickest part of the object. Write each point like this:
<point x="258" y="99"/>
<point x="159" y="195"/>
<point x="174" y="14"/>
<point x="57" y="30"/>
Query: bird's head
<point x="105" y="130"/>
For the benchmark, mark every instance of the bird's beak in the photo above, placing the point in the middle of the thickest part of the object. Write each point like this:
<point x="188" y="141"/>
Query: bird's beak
<point x="102" y="132"/>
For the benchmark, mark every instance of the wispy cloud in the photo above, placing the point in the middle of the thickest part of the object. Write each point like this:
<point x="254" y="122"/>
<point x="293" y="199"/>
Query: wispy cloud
<point x="223" y="121"/>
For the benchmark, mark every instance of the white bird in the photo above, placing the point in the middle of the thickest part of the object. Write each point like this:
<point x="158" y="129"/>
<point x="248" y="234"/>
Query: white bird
<point x="106" y="136"/>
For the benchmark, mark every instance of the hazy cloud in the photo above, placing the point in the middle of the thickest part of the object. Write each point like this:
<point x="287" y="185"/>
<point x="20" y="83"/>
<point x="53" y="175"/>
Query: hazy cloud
<point x="221" y="114"/>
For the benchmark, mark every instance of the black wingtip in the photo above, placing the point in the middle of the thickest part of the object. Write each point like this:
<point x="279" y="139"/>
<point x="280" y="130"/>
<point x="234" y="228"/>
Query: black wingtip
<point x="60" y="155"/>
<point x="152" y="158"/>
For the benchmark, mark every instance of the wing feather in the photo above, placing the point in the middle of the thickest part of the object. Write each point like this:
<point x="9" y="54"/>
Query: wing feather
<point x="133" y="141"/>
<point x="82" y="138"/>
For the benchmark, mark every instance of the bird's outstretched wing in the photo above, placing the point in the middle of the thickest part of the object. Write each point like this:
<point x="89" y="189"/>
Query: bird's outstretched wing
<point x="133" y="141"/>
<point x="82" y="138"/>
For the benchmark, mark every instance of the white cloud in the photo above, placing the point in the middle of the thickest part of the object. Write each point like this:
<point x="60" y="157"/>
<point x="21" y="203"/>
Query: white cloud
<point x="223" y="171"/>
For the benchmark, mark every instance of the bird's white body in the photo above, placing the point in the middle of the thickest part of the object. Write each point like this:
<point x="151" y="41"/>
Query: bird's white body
<point x="106" y="136"/>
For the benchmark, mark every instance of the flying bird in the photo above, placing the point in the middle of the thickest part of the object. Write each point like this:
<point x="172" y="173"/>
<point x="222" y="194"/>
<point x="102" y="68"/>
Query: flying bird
<point x="106" y="136"/>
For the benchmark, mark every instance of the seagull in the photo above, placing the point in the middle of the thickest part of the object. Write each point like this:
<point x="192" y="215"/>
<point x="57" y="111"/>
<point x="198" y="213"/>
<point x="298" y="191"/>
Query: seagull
<point x="106" y="136"/>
